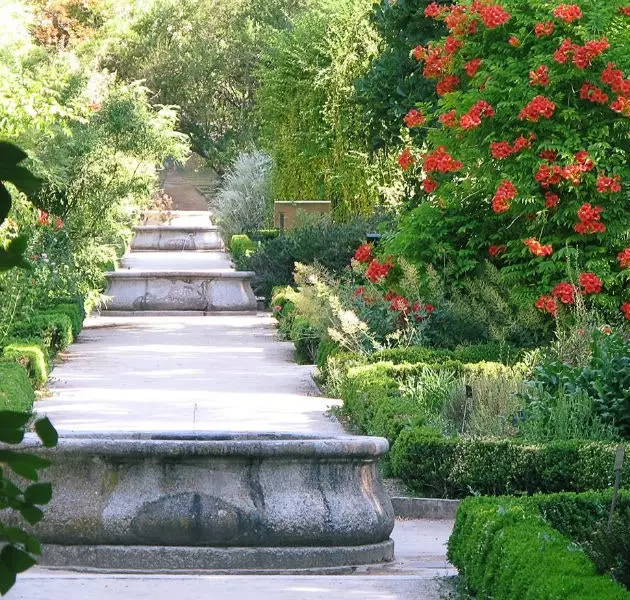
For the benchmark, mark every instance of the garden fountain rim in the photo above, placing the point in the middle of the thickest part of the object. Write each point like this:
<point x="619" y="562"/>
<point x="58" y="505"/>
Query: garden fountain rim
<point x="216" y="444"/>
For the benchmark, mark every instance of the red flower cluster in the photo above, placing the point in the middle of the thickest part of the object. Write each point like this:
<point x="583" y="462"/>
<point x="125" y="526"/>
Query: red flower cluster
<point x="472" y="119"/>
<point x="363" y="253"/>
<point x="492" y="15"/>
<point x="419" y="53"/>
<point x="377" y="272"/>
<point x="548" y="175"/>
<point x="590" y="219"/>
<point x="514" y="41"/>
<point x="544" y="29"/>
<point x="429" y="185"/>
<point x="425" y="309"/>
<point x="540" y="76"/>
<point x="440" y="160"/>
<point x="547" y="304"/>
<point x="583" y="55"/>
<point x="434" y="11"/>
<point x="472" y="66"/>
<point x="42" y="217"/>
<point x="550" y="155"/>
<point x="406" y="159"/>
<point x="537" y="249"/>
<point x="414" y="118"/>
<point x="565" y="292"/>
<point x="593" y="93"/>
<point x="501" y="150"/>
<point x="591" y="284"/>
<point x="610" y="185"/>
<point x="449" y="119"/>
<point x="624" y="258"/>
<point x="497" y="250"/>
<point x="622" y="106"/>
<point x="437" y="62"/>
<point x="505" y="192"/>
<point x="537" y="108"/>
<point x="551" y="200"/>
<point x="399" y="304"/>
<point x="625" y="309"/>
<point x="447" y="84"/>
<point x="564" y="52"/>
<point x="568" y="12"/>
<point x="624" y="10"/>
<point x="614" y="78"/>
<point x="452" y="44"/>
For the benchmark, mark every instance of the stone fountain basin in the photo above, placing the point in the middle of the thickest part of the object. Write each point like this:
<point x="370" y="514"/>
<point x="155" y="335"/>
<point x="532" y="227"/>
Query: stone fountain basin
<point x="216" y="501"/>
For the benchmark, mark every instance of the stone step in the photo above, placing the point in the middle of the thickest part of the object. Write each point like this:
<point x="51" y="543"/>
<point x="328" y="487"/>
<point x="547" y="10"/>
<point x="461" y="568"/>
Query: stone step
<point x="162" y="260"/>
<point x="204" y="290"/>
<point x="180" y="237"/>
<point x="177" y="217"/>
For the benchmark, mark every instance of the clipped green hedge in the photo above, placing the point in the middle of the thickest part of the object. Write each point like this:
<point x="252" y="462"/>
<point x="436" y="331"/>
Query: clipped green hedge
<point x="54" y="329"/>
<point x="505" y="550"/>
<point x="16" y="391"/>
<point x="241" y="244"/>
<point x="73" y="312"/>
<point x="458" y="467"/>
<point x="30" y="354"/>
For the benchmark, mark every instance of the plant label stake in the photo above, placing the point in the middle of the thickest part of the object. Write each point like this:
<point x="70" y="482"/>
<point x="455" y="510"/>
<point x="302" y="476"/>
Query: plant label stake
<point x="621" y="451"/>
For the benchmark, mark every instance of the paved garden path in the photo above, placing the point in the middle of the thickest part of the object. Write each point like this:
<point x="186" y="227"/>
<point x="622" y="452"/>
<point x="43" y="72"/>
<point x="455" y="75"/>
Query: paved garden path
<point x="192" y="373"/>
<point x="184" y="373"/>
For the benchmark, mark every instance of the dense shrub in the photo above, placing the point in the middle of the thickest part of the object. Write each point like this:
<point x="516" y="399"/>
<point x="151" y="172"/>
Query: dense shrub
<point x="330" y="244"/>
<point x="401" y="26"/>
<point x="457" y="467"/>
<point x="31" y="355"/>
<point x="16" y="391"/>
<point x="505" y="550"/>
<point x="522" y="179"/>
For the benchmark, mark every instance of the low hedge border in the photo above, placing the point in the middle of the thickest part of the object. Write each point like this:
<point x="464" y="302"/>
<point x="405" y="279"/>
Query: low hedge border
<point x="504" y="549"/>
<point x="32" y="355"/>
<point x="435" y="466"/>
<point x="16" y="391"/>
<point x="432" y="465"/>
<point x="54" y="329"/>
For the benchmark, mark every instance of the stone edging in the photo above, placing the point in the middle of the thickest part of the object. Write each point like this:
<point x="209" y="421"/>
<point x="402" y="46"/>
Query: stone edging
<point x="424" y="508"/>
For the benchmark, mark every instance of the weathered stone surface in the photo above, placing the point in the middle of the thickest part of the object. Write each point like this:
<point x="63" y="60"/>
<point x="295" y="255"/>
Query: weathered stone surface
<point x="425" y="508"/>
<point x="217" y="490"/>
<point x="160" y="558"/>
<point x="186" y="290"/>
<point x="171" y="237"/>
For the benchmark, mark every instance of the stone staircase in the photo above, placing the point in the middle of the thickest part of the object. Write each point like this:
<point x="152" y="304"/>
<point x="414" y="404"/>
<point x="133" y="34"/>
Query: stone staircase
<point x="177" y="262"/>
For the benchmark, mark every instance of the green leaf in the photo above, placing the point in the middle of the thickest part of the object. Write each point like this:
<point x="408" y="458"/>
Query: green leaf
<point x="11" y="154"/>
<point x="11" y="436"/>
<point x="32" y="514"/>
<point x="12" y="420"/>
<point x="38" y="493"/>
<point x="46" y="432"/>
<point x="16" y="560"/>
<point x="14" y="535"/>
<point x="5" y="202"/>
<point x="7" y="579"/>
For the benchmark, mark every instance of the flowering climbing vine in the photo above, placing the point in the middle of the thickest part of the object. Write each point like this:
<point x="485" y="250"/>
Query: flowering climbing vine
<point x="528" y="153"/>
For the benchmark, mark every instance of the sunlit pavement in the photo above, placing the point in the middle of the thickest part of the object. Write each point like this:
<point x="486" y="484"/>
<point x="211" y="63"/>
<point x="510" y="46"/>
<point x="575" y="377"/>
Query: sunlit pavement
<point x="420" y="572"/>
<point x="185" y="373"/>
